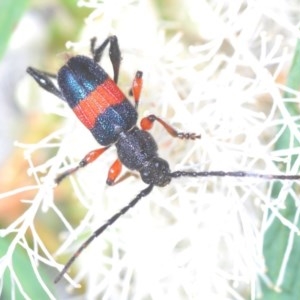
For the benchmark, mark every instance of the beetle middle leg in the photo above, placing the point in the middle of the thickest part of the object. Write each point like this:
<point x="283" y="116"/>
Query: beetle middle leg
<point x="89" y="158"/>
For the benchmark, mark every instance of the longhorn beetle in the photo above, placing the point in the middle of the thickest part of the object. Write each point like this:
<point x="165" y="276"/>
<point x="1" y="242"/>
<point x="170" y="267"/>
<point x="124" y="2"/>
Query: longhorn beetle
<point x="102" y="107"/>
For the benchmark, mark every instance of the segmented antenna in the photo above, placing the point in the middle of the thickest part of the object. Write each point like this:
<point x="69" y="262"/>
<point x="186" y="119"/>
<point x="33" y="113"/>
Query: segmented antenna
<point x="177" y="174"/>
<point x="148" y="190"/>
<point x="96" y="233"/>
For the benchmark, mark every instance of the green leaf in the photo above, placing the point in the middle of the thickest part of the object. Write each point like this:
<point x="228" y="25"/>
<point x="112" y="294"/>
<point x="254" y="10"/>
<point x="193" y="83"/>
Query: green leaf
<point x="278" y="236"/>
<point x="10" y="14"/>
<point x="25" y="274"/>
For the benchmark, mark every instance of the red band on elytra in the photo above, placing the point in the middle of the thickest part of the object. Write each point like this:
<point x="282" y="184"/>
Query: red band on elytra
<point x="105" y="95"/>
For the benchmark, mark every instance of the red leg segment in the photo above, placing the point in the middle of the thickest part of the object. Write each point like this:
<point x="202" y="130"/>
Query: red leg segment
<point x="136" y="87"/>
<point x="114" y="172"/>
<point x="147" y="124"/>
<point x="89" y="158"/>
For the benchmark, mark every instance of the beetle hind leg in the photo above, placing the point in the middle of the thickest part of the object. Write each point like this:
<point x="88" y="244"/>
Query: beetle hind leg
<point x="44" y="81"/>
<point x="114" y="53"/>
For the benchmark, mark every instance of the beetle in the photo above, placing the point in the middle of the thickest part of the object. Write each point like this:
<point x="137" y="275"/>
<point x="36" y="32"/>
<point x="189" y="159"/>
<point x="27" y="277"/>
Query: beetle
<point x="111" y="118"/>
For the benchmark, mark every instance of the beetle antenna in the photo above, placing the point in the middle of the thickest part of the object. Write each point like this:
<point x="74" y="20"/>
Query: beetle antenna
<point x="177" y="174"/>
<point x="97" y="232"/>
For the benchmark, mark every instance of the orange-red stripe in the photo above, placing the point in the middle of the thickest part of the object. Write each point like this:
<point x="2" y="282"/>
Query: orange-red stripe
<point x="105" y="95"/>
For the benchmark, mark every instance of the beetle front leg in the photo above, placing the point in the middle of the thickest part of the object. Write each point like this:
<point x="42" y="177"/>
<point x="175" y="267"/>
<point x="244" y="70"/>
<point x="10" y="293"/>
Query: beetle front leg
<point x="147" y="124"/>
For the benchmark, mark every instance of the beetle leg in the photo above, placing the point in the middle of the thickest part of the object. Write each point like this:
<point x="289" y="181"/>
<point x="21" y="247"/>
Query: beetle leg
<point x="44" y="81"/>
<point x="89" y="158"/>
<point x="147" y="124"/>
<point x="136" y="88"/>
<point x="114" y="53"/>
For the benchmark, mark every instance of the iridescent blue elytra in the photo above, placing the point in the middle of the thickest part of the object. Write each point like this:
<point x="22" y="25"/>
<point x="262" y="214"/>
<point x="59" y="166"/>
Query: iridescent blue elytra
<point x="95" y="99"/>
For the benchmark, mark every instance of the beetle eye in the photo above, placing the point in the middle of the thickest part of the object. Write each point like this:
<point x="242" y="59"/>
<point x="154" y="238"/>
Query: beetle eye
<point x="145" y="173"/>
